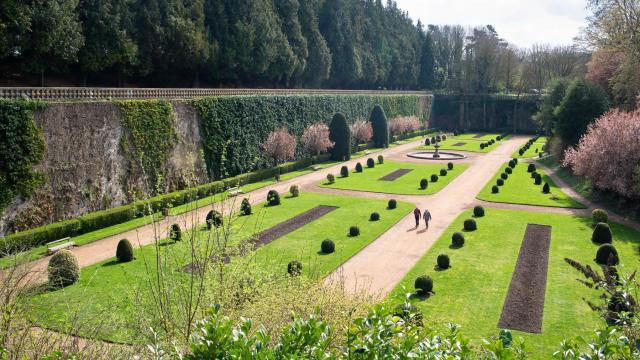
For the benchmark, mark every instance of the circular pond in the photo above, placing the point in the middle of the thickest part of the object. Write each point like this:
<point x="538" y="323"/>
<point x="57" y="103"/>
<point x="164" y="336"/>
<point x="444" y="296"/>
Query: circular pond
<point x="429" y="155"/>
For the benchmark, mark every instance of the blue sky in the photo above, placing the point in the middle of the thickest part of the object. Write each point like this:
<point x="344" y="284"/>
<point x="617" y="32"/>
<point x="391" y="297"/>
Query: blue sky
<point x="521" y="22"/>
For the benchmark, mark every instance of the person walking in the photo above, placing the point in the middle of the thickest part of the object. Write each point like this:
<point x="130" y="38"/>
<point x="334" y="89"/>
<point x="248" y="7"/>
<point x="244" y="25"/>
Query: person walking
<point x="426" y="215"/>
<point x="416" y="214"/>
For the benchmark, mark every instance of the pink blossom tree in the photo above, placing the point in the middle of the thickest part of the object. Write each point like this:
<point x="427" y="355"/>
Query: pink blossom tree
<point x="280" y="146"/>
<point x="404" y="124"/>
<point x="316" y="138"/>
<point x="608" y="154"/>
<point x="362" y="131"/>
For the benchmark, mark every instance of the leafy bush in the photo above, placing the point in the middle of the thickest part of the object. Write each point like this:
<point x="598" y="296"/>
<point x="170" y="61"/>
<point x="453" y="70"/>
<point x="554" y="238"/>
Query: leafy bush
<point x="392" y="204"/>
<point x="213" y="219"/>
<point x="599" y="216"/>
<point x="327" y="246"/>
<point x="438" y="138"/>
<point x="294" y="190"/>
<point x="380" y="127"/>
<point x="340" y="135"/>
<point x="443" y="261"/>
<point x="482" y="146"/>
<point x="512" y="164"/>
<point x="427" y="142"/>
<point x="531" y="168"/>
<point x="457" y="239"/>
<point x="443" y="172"/>
<point x="374" y="216"/>
<point x="124" y="251"/>
<point x="607" y="255"/>
<point x="450" y="165"/>
<point x="504" y="176"/>
<point x="546" y="189"/>
<point x="444" y="137"/>
<point x="515" y="161"/>
<point x="354" y="231"/>
<point x="245" y="207"/>
<point x="370" y="163"/>
<point x="499" y="182"/>
<point x="602" y="234"/>
<point x="331" y="179"/>
<point x="380" y="159"/>
<point x="495" y="189"/>
<point x="538" y="180"/>
<point x="508" y="170"/>
<point x="344" y="171"/>
<point x="423" y="285"/>
<point x="294" y="268"/>
<point x="423" y="184"/>
<point x="358" y="167"/>
<point x="470" y="225"/>
<point x="434" y="178"/>
<point x="175" y="233"/>
<point x="273" y="197"/>
<point x="63" y="269"/>
<point x="478" y="211"/>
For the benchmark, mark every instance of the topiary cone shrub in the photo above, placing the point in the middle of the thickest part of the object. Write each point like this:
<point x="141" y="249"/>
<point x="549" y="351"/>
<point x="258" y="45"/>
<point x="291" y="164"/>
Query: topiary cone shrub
<point x="423" y="184"/>
<point x="602" y="234"/>
<point x="392" y="204"/>
<point x="607" y="255"/>
<point x="443" y="261"/>
<point x="380" y="159"/>
<point x="423" y="285"/>
<point x="531" y="168"/>
<point x="354" y="231"/>
<point x="370" y="163"/>
<point x="358" y="167"/>
<point x="331" y="179"/>
<point x="478" y="211"/>
<point x="340" y="134"/>
<point x="380" y="127"/>
<point x="457" y="240"/>
<point x="470" y="225"/>
<point x="294" y="268"/>
<point x="495" y="189"/>
<point x="443" y="172"/>
<point x="245" y="207"/>
<point x="546" y="189"/>
<point x="434" y="178"/>
<point x="344" y="171"/>
<point x="599" y="216"/>
<point x="327" y="246"/>
<point x="294" y="190"/>
<point x="499" y="182"/>
<point x="450" y="165"/>
<point x="374" y="216"/>
<point x="214" y="218"/>
<point x="273" y="197"/>
<point x="175" y="233"/>
<point x="124" y="251"/>
<point x="63" y="269"/>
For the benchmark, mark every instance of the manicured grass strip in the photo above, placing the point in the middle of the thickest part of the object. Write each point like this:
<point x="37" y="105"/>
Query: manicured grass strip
<point x="476" y="136"/>
<point x="454" y="144"/>
<point x="408" y="184"/>
<point x="519" y="188"/>
<point x="534" y="151"/>
<point x="524" y="305"/>
<point x="472" y="291"/>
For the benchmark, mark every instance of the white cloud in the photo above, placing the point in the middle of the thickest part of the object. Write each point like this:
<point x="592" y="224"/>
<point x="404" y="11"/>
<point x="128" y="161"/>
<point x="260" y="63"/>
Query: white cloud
<point x="521" y="22"/>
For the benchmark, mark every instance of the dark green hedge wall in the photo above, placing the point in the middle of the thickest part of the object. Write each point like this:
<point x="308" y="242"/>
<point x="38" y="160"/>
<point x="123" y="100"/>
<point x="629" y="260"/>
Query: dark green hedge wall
<point x="232" y="128"/>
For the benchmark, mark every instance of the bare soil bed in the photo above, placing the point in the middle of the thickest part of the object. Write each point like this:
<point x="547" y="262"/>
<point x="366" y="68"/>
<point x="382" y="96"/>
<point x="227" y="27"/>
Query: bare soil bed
<point x="291" y="225"/>
<point x="395" y="174"/>
<point x="460" y="144"/>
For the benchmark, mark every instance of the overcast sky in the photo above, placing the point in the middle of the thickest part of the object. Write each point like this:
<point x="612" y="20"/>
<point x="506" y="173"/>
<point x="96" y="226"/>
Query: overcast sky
<point x="520" y="22"/>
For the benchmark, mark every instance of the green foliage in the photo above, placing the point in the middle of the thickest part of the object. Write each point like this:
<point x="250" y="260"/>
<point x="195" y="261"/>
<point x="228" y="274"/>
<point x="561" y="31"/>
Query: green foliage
<point x="374" y="216"/>
<point x="495" y="189"/>
<point x="63" y="269"/>
<point x="245" y="207"/>
<point x="175" y="233"/>
<point x="294" y="268"/>
<point x="545" y="117"/>
<point x="21" y="147"/>
<point x="457" y="239"/>
<point x="423" y="184"/>
<point x="340" y="135"/>
<point x="607" y="255"/>
<point x="327" y="246"/>
<point x="470" y="225"/>
<point x="443" y="172"/>
<point x="371" y="163"/>
<point x="124" y="251"/>
<point x="602" y="234"/>
<point x="149" y="139"/>
<point x="294" y="190"/>
<point x="443" y="261"/>
<point x="508" y="170"/>
<point x="478" y="211"/>
<point x="599" y="216"/>
<point x="344" y="171"/>
<point x="380" y="159"/>
<point x="450" y="165"/>
<point x="354" y="231"/>
<point x="331" y="178"/>
<point x="434" y="178"/>
<point x="423" y="285"/>
<point x="213" y="219"/>
<point x="531" y="168"/>
<point x="358" y="167"/>
<point x="273" y="198"/>
<point x="392" y="204"/>
<point x="545" y="189"/>
<point x="380" y="127"/>
<point x="500" y="182"/>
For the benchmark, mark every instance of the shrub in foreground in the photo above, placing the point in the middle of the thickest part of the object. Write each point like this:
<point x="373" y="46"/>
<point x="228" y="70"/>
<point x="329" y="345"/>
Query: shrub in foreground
<point x="370" y="163"/>
<point x="175" y="232"/>
<point x="327" y="246"/>
<point x="457" y="239"/>
<point x="478" y="211"/>
<point x="273" y="198"/>
<point x="450" y="165"/>
<point x="423" y="184"/>
<point x="470" y="225"/>
<point x="340" y="135"/>
<point x="499" y="182"/>
<point x="331" y="179"/>
<point x="512" y="164"/>
<point x="538" y="180"/>
<point x="423" y="285"/>
<point x="374" y="216"/>
<point x="607" y="255"/>
<point x="358" y="167"/>
<point x="124" y="251"/>
<point x="392" y="204"/>
<point x="434" y="178"/>
<point x="531" y="168"/>
<point x="495" y="189"/>
<point x="443" y="172"/>
<point x="380" y="159"/>
<point x="344" y="171"/>
<point x="508" y="170"/>
<point x="294" y="268"/>
<point x="354" y="231"/>
<point x="245" y="207"/>
<point x="602" y="234"/>
<point x="599" y="216"/>
<point x="63" y="269"/>
<point x="504" y="176"/>
<point x="546" y="188"/>
<point x="443" y="261"/>
<point x="294" y="190"/>
<point x="213" y="219"/>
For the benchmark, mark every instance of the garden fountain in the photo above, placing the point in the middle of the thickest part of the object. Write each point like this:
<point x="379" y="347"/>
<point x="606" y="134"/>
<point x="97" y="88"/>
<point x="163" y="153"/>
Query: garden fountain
<point x="435" y="155"/>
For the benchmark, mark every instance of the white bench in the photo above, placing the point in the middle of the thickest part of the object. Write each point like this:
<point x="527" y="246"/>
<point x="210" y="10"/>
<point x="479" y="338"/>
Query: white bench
<point x="55" y="246"/>
<point x="316" y="167"/>
<point x="235" y="191"/>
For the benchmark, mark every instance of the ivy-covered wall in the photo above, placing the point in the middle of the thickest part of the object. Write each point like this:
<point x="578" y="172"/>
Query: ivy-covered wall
<point x="232" y="128"/>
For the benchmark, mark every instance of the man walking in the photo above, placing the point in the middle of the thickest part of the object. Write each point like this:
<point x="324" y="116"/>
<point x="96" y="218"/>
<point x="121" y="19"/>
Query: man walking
<point x="427" y="216"/>
<point x="416" y="214"/>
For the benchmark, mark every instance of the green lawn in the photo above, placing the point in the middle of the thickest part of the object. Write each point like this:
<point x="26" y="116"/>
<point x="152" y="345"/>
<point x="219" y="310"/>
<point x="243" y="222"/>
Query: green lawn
<point x="465" y="145"/>
<point x="472" y="136"/>
<point x="534" y="151"/>
<point x="107" y="291"/>
<point x="471" y="293"/>
<point x="519" y="188"/>
<point x="408" y="184"/>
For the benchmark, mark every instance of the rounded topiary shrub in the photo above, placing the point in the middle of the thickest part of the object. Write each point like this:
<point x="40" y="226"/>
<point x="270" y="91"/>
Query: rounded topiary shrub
<point x="470" y="225"/>
<point x="331" y="179"/>
<point x="495" y="189"/>
<point x="124" y="251"/>
<point x="392" y="204"/>
<point x="508" y="170"/>
<point x="358" y="167"/>
<point x="370" y="163"/>
<point x="273" y="197"/>
<point x="504" y="176"/>
<point x="423" y="184"/>
<point x="534" y="175"/>
<point x="499" y="182"/>
<point x="294" y="190"/>
<point x="380" y="159"/>
<point x="175" y="233"/>
<point x="245" y="207"/>
<point x="443" y="172"/>
<point x="63" y="269"/>
<point x="602" y="234"/>
<point x="599" y="216"/>
<point x="531" y="168"/>
<point x="344" y="171"/>
<point x="607" y="255"/>
<point x="438" y="138"/>
<point x="482" y="146"/>
<point x="427" y="142"/>
<point x="546" y="189"/>
<point x="354" y="231"/>
<point x="450" y="165"/>
<point x="327" y="246"/>
<point x="374" y="216"/>
<point x="512" y="164"/>
<point x="515" y="161"/>
<point x="434" y="178"/>
<point x="443" y="261"/>
<point x="478" y="211"/>
<point x="213" y="218"/>
<point x="423" y="285"/>
<point x="294" y="268"/>
<point x="538" y="180"/>
<point x="457" y="239"/>
<point x="444" y="137"/>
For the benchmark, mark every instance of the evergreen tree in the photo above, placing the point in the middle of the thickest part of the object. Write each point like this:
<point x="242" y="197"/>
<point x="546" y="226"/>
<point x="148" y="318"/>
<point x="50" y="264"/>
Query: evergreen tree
<point x="426" y="79"/>
<point x="289" y="12"/>
<point x="15" y="21"/>
<point x="319" y="58"/>
<point x="340" y="135"/>
<point x="380" y="127"/>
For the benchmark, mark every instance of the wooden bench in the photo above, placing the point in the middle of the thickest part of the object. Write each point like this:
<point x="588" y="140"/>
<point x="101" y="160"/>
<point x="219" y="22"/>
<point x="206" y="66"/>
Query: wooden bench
<point x="316" y="167"/>
<point x="234" y="191"/>
<point x="55" y="246"/>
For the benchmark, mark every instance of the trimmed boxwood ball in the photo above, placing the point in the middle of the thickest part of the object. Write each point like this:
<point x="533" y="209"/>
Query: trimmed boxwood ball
<point x="450" y="165"/>
<point x="508" y="170"/>
<point x="478" y="211"/>
<point x="273" y="197"/>
<point x="175" y="233"/>
<point x="470" y="225"/>
<point x="370" y="163"/>
<point x="245" y="207"/>
<point x="457" y="239"/>
<point x="344" y="171"/>
<point x="434" y="178"/>
<point x="124" y="251"/>
<point x="374" y="216"/>
<point x="380" y="159"/>
<point x="504" y="176"/>
<point x="444" y="137"/>
<point x="63" y="269"/>
<point x="380" y="127"/>
<point x="423" y="285"/>
<point x="495" y="189"/>
<point x="294" y="268"/>
<point x="354" y="231"/>
<point x="358" y="167"/>
<point x="423" y="184"/>
<point x="294" y="190"/>
<point x="515" y="161"/>
<point x="482" y="146"/>
<point x="546" y="189"/>
<point x="607" y="255"/>
<point x="538" y="180"/>
<point x="512" y="164"/>
<point x="531" y="168"/>
<point x="443" y="172"/>
<point x="438" y="138"/>
<point x="534" y="175"/>
<point x="327" y="246"/>
<point x="602" y="234"/>
<point x="331" y="179"/>
<point x="443" y="261"/>
<point x="599" y="216"/>
<point x="340" y="134"/>
<point x="499" y="182"/>
<point x="427" y="142"/>
<point x="392" y="204"/>
<point x="214" y="218"/>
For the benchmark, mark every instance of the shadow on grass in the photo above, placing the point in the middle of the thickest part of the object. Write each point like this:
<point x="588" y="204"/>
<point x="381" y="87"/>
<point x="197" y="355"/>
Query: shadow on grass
<point x="438" y="268"/>
<point x="455" y="247"/>
<point x="421" y="296"/>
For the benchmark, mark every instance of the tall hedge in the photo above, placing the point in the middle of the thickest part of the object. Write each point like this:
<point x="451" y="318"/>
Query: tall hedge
<point x="340" y="134"/>
<point x="233" y="127"/>
<point x="21" y="147"/>
<point x="380" y="127"/>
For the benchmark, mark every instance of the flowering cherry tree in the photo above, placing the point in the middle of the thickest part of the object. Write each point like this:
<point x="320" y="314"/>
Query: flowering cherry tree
<point x="608" y="154"/>
<point x="280" y="146"/>
<point x="362" y="131"/>
<point x="316" y="138"/>
<point x="404" y="124"/>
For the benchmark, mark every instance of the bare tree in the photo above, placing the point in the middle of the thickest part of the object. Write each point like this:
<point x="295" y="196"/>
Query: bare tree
<point x="280" y="146"/>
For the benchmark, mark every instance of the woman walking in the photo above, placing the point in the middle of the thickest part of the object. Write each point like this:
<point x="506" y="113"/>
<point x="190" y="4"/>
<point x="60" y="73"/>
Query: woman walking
<point x="426" y="215"/>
